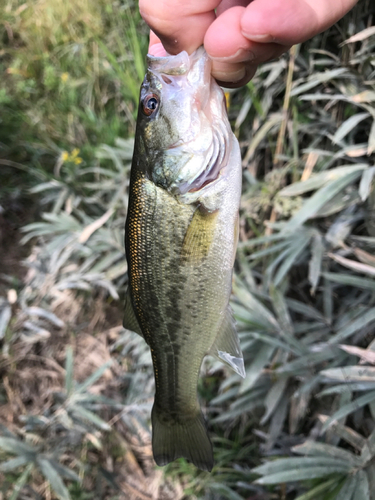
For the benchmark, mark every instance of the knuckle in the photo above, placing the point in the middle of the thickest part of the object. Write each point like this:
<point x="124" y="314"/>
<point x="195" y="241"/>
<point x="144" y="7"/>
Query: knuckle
<point x="159" y="15"/>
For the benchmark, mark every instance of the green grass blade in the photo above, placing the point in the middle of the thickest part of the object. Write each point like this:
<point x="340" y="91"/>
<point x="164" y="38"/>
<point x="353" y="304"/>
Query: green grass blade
<point x="365" y="185"/>
<point x="287" y="464"/>
<point x="21" y="481"/>
<point x="225" y="491"/>
<point x="273" y="398"/>
<point x="81" y="412"/>
<point x="290" y="260"/>
<point x="319" y="199"/>
<point x="350" y="408"/>
<point x="318" y="180"/>
<point x="313" y="448"/>
<point x="368" y="316"/>
<point x="5" y="316"/>
<point x="50" y="473"/>
<point x="319" y="490"/>
<point x="14" y="463"/>
<point x="349" y="125"/>
<point x="307" y="362"/>
<point x="315" y="263"/>
<point x="16" y="447"/>
<point x="136" y="50"/>
<point x="275" y="342"/>
<point x="362" y="491"/>
<point x="92" y="378"/>
<point x="350" y="280"/>
<point x="302" y="474"/>
<point x="254" y="371"/>
<point x="69" y="374"/>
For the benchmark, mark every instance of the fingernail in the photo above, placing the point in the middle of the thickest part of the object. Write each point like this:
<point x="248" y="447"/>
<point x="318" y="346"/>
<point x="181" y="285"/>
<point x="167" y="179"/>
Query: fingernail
<point x="229" y="76"/>
<point x="254" y="37"/>
<point x="157" y="50"/>
<point x="241" y="55"/>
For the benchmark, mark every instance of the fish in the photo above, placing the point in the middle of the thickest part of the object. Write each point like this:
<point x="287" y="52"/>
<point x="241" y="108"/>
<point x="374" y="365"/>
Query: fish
<point x="181" y="236"/>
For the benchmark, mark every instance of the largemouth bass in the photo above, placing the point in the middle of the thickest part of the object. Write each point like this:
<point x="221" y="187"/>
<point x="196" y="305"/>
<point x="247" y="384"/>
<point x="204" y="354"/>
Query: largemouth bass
<point x="181" y="238"/>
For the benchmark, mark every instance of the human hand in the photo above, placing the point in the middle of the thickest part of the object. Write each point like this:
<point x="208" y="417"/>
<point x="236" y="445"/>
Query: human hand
<point x="241" y="34"/>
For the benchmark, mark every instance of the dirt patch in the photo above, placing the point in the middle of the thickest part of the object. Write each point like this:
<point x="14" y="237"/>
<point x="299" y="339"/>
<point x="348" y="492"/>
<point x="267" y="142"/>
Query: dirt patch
<point x="34" y="376"/>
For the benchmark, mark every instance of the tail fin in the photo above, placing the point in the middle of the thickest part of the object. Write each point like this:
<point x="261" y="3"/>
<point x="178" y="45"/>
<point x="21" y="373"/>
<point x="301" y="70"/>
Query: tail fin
<point x="175" y="440"/>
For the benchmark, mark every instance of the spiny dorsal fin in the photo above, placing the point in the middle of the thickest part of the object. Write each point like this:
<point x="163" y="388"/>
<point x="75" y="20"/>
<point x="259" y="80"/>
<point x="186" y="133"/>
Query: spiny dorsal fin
<point x="226" y="346"/>
<point x="198" y="237"/>
<point x="130" y="320"/>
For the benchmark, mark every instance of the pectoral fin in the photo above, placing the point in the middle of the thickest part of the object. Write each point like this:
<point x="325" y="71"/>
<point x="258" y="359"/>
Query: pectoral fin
<point x="226" y="346"/>
<point x="130" y="320"/>
<point x="199" y="236"/>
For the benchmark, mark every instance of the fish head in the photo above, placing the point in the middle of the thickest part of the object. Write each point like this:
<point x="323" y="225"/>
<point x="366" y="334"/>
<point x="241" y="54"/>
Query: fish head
<point x="183" y="131"/>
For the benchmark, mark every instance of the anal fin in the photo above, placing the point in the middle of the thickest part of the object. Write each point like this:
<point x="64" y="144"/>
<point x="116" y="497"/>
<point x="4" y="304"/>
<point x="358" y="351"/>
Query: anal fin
<point x="226" y="346"/>
<point x="130" y="321"/>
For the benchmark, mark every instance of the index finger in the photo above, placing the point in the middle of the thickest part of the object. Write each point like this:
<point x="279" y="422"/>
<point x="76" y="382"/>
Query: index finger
<point x="178" y="25"/>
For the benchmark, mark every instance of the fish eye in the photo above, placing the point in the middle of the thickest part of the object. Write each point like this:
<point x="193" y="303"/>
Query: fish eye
<point x="150" y="104"/>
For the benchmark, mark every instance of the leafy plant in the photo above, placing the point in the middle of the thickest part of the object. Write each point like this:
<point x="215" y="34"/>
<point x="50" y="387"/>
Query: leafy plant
<point x="300" y="426"/>
<point x="70" y="414"/>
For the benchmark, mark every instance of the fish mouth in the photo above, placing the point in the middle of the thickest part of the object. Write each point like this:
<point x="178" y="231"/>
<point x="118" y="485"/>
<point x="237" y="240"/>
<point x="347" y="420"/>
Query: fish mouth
<point x="180" y="64"/>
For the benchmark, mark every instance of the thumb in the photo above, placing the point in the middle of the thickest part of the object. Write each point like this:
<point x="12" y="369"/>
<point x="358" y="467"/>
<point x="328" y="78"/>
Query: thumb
<point x="288" y="22"/>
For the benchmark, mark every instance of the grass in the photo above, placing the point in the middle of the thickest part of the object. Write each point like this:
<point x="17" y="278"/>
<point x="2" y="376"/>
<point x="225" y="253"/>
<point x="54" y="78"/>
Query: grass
<point x="71" y="77"/>
<point x="77" y="391"/>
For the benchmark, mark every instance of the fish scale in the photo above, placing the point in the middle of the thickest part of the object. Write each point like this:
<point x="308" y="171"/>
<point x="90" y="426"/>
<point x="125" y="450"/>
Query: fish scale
<point x="181" y="236"/>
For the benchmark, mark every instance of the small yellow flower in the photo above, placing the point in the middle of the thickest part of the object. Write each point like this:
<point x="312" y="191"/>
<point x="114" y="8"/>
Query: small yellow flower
<point x="64" y="77"/>
<point x="72" y="157"/>
<point x="64" y="156"/>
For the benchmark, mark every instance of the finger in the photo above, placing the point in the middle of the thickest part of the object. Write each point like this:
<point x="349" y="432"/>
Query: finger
<point x="229" y="79"/>
<point x="234" y="56"/>
<point x="291" y="21"/>
<point x="155" y="42"/>
<point x="224" y="40"/>
<point x="155" y="47"/>
<point x="179" y="25"/>
<point x="227" y="4"/>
